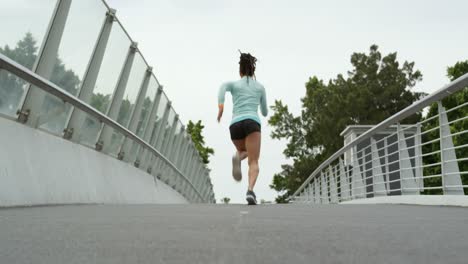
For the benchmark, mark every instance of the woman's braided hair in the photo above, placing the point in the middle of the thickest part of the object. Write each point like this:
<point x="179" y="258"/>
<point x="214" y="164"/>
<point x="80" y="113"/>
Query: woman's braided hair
<point x="247" y="64"/>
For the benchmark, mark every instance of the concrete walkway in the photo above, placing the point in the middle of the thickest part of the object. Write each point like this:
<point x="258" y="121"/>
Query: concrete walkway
<point x="234" y="234"/>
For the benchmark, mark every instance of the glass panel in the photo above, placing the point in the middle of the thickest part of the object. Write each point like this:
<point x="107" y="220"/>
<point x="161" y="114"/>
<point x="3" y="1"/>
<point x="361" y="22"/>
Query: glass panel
<point x="89" y="130"/>
<point x="165" y="133"/>
<point x="131" y="92"/>
<point x="74" y="53"/>
<point x="113" y="61"/>
<point x="177" y="135"/>
<point x="183" y="155"/>
<point x="116" y="142"/>
<point x="128" y="102"/>
<point x="11" y="91"/>
<point x="147" y="106"/>
<point x="145" y="112"/>
<point x="132" y="154"/>
<point x="159" y="115"/>
<point x="24" y="26"/>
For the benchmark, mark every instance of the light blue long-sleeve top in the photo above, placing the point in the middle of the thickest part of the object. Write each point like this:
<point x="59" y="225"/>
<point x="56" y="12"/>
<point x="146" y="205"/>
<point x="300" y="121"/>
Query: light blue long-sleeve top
<point x="247" y="95"/>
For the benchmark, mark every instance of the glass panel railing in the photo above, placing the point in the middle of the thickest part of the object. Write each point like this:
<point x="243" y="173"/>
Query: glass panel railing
<point x="128" y="101"/>
<point x="112" y="64"/>
<point x="159" y="116"/>
<point x="147" y="107"/>
<point x="75" y="51"/>
<point x="25" y="25"/>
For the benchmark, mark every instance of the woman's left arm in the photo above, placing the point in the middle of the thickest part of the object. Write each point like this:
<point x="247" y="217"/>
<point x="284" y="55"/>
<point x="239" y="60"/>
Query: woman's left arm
<point x="263" y="103"/>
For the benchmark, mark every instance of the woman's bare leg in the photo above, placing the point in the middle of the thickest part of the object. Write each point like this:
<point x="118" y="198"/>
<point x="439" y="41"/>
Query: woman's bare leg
<point x="237" y="159"/>
<point x="252" y="145"/>
<point x="240" y="147"/>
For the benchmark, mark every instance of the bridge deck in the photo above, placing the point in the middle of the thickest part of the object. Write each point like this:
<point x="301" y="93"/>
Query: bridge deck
<point x="234" y="234"/>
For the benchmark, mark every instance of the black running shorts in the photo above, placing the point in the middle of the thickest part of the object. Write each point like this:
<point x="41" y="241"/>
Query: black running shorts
<point x="242" y="129"/>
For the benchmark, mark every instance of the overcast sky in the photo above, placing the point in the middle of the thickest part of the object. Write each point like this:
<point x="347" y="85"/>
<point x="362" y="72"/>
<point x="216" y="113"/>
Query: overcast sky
<point x="193" y="45"/>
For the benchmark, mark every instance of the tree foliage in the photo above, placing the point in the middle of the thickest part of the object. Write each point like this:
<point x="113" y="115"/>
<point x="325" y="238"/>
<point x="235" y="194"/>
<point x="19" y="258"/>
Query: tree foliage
<point x="375" y="88"/>
<point x="453" y="72"/>
<point x="25" y="53"/>
<point x="195" y="130"/>
<point x="226" y="200"/>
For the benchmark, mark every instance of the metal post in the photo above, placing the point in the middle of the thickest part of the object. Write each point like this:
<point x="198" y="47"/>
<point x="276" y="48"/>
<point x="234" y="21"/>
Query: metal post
<point x="194" y="174"/>
<point x="180" y="150"/>
<point x="190" y="160"/>
<point x="149" y="121"/>
<point x="317" y="197"/>
<point x="146" y="155"/>
<point x="378" y="183"/>
<point x="357" y="183"/>
<point x="181" y="154"/>
<point x="165" y="143"/>
<point x="407" y="182"/>
<point x="136" y="113"/>
<point x="156" y="135"/>
<point x="34" y="98"/>
<point x="85" y="93"/>
<point x="418" y="159"/>
<point x="169" y="140"/>
<point x="333" y="186"/>
<point x="174" y="155"/>
<point x="113" y="112"/>
<point x="387" y="167"/>
<point x="451" y="181"/>
<point x="344" y="182"/>
<point x="325" y="199"/>
<point x="161" y="128"/>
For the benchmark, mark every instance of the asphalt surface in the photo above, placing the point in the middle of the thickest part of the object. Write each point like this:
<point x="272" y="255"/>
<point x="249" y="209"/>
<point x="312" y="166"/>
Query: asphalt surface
<point x="234" y="234"/>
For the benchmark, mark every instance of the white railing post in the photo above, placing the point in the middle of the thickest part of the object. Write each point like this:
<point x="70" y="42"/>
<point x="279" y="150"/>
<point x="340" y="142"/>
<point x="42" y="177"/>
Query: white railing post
<point x="31" y="110"/>
<point x="149" y="121"/>
<point x="333" y="186"/>
<point x="135" y="115"/>
<point x="387" y="167"/>
<point x="378" y="183"/>
<point x="418" y="159"/>
<point x="105" y="136"/>
<point x="324" y="181"/>
<point x="451" y="181"/>
<point x="344" y="182"/>
<point x="317" y="197"/>
<point x="85" y="93"/>
<point x="407" y="182"/>
<point x="357" y="184"/>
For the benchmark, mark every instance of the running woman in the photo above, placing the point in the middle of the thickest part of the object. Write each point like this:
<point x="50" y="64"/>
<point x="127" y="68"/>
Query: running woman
<point x="247" y="94"/>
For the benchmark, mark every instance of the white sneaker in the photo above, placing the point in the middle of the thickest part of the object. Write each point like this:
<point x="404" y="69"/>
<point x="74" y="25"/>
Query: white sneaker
<point x="236" y="167"/>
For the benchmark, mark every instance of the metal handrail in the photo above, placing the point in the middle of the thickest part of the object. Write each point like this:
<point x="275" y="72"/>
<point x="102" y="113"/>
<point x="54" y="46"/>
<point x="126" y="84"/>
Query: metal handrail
<point x="417" y="106"/>
<point x="49" y="87"/>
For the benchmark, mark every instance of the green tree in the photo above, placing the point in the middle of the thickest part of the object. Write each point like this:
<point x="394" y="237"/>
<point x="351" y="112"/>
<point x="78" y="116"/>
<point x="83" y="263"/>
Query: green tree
<point x="453" y="72"/>
<point x="195" y="130"/>
<point x="100" y="102"/>
<point x="226" y="200"/>
<point x="375" y="88"/>
<point x="12" y="88"/>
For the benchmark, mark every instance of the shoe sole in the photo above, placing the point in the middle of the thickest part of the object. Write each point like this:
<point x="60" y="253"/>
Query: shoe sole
<point x="236" y="170"/>
<point x="251" y="200"/>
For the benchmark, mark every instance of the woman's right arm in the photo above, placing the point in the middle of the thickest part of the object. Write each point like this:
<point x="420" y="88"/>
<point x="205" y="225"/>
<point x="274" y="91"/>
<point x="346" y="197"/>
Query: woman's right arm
<point x="226" y="87"/>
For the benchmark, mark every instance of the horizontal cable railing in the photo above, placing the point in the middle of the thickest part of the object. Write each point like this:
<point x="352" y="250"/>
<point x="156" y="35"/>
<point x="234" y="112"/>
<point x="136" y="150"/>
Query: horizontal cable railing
<point x="428" y="157"/>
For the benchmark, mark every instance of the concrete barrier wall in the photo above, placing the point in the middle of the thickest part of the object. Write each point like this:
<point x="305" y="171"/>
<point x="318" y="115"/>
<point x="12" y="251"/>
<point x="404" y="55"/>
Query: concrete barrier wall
<point x="40" y="168"/>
